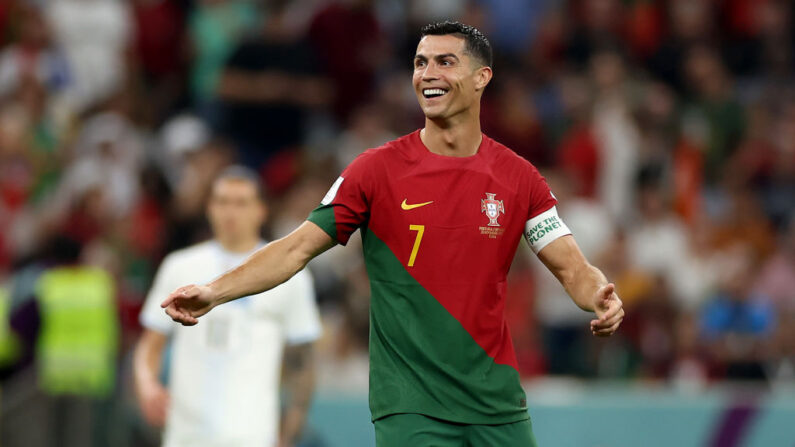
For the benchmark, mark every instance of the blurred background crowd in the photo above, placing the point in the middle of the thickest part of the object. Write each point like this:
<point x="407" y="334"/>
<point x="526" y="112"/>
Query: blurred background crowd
<point x="665" y="128"/>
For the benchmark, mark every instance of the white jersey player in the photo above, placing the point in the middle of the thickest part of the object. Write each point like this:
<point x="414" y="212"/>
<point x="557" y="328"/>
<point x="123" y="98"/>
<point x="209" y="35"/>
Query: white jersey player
<point x="224" y="376"/>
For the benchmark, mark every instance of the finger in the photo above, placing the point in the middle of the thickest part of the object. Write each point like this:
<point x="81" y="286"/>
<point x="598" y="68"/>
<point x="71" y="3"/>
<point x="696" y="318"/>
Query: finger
<point x="173" y="296"/>
<point x="189" y="321"/>
<point x="607" y="322"/>
<point x="606" y="291"/>
<point x="174" y="313"/>
<point x="613" y="308"/>
<point x="170" y="299"/>
<point x="180" y="316"/>
<point x="181" y="293"/>
<point x="606" y="332"/>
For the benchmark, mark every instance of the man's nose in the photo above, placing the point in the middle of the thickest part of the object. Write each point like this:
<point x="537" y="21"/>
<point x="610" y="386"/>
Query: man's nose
<point x="430" y="73"/>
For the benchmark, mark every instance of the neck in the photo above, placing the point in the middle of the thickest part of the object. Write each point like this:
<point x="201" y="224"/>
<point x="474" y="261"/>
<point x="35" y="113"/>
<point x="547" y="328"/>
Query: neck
<point x="242" y="245"/>
<point x="458" y="136"/>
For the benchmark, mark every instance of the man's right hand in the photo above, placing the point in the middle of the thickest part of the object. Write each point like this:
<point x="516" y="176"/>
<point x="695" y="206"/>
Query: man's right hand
<point x="154" y="400"/>
<point x="186" y="304"/>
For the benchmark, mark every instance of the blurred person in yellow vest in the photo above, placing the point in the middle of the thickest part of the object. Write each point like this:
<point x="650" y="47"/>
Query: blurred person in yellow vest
<point x="78" y="338"/>
<point x="76" y="349"/>
<point x="68" y="330"/>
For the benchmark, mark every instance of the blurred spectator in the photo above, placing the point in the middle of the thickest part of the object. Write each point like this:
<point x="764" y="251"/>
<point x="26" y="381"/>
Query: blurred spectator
<point x="180" y="136"/>
<point x="158" y="37"/>
<point x="200" y="166"/>
<point x="97" y="64"/>
<point x="616" y="134"/>
<point x="510" y="117"/>
<point x="349" y="42"/>
<point x="108" y="155"/>
<point x="72" y="326"/>
<point x="578" y="153"/>
<point x="29" y="167"/>
<point x="161" y="49"/>
<point x="598" y="26"/>
<point x="778" y="188"/>
<point x="214" y="29"/>
<point x="690" y="23"/>
<point x="658" y="243"/>
<point x="367" y="129"/>
<point x="713" y="107"/>
<point x="736" y="323"/>
<point x="510" y="24"/>
<point x="759" y="36"/>
<point x="267" y="87"/>
<point x="644" y="28"/>
<point x="32" y="58"/>
<point x="737" y="224"/>
<point x="776" y="278"/>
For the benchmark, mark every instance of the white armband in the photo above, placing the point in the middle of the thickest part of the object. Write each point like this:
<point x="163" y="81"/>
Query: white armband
<point x="544" y="228"/>
<point x="332" y="192"/>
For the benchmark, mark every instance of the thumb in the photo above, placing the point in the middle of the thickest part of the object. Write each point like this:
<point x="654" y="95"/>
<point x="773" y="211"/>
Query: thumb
<point x="606" y="292"/>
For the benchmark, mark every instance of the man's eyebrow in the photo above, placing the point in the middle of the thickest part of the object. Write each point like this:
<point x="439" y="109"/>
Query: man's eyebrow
<point x="422" y="57"/>
<point x="442" y="56"/>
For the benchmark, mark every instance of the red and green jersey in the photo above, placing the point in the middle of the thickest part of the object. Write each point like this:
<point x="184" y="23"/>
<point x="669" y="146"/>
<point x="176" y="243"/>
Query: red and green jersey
<point x="439" y="234"/>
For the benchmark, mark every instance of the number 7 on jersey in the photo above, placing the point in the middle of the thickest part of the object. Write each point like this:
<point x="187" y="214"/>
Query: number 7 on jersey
<point x="420" y="229"/>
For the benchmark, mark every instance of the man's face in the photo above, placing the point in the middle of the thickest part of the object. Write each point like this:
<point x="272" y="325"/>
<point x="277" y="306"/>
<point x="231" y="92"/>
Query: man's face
<point x="447" y="80"/>
<point x="235" y="211"/>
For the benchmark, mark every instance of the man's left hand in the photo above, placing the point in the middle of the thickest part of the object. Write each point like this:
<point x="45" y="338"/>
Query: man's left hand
<point x="609" y="311"/>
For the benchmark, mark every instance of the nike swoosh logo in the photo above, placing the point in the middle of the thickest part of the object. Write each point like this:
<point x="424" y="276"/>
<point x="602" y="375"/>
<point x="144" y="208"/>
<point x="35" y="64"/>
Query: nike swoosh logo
<point x="406" y="206"/>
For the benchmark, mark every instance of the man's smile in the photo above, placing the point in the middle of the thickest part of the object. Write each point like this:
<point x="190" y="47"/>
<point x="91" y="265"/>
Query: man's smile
<point x="429" y="93"/>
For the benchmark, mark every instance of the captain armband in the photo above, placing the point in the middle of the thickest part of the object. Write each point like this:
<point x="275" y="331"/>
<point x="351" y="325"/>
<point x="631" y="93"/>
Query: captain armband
<point x="332" y="192"/>
<point x="544" y="228"/>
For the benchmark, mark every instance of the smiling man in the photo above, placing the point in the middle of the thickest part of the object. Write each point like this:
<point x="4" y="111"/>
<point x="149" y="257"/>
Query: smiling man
<point x="441" y="212"/>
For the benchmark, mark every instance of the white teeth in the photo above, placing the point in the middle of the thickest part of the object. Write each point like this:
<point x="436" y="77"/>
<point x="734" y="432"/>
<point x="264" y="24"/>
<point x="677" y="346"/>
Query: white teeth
<point x="433" y="91"/>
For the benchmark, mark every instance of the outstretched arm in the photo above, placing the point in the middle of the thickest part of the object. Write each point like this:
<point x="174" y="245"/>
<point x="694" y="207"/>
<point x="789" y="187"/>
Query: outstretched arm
<point x="268" y="267"/>
<point x="585" y="283"/>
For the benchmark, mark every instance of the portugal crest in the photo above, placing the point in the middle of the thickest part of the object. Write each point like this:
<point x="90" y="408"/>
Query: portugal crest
<point x="492" y="207"/>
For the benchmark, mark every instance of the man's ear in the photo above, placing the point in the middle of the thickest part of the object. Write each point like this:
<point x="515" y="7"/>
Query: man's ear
<point x="483" y="77"/>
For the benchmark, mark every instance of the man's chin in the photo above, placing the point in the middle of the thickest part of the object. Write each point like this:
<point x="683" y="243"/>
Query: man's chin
<point x="433" y="113"/>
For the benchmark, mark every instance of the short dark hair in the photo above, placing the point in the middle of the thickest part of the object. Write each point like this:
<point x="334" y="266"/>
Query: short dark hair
<point x="238" y="172"/>
<point x="476" y="43"/>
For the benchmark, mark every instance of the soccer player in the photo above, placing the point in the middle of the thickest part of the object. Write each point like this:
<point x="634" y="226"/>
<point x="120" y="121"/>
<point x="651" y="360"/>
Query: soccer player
<point x="223" y="386"/>
<point x="441" y="212"/>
